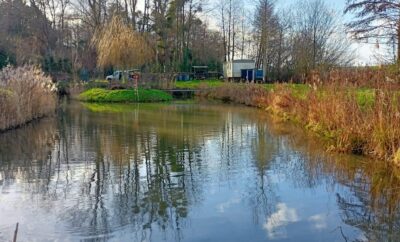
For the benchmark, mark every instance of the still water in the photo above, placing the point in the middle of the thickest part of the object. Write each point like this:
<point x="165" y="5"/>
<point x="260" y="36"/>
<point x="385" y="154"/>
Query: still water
<point x="186" y="172"/>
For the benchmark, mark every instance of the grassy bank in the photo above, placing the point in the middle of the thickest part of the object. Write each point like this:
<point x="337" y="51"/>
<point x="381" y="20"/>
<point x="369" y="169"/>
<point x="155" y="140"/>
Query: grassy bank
<point x="121" y="96"/>
<point x="25" y="94"/>
<point x="353" y="120"/>
<point x="198" y="84"/>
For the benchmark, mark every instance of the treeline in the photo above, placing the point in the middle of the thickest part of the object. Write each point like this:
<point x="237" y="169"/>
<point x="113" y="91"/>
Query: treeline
<point x="287" y="43"/>
<point x="57" y="34"/>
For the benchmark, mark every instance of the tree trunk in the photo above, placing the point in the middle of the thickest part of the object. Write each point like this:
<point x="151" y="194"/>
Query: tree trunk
<point x="224" y="33"/>
<point x="398" y="43"/>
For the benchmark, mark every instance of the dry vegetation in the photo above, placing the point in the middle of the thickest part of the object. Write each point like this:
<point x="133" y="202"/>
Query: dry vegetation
<point x="25" y="94"/>
<point x="118" y="45"/>
<point x="354" y="119"/>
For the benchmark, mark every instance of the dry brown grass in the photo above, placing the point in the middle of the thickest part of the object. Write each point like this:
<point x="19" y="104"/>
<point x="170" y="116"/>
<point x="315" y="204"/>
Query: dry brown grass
<point x="25" y="94"/>
<point x="335" y="112"/>
<point x="370" y="77"/>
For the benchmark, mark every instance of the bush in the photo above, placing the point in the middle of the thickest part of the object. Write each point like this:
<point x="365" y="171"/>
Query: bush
<point x="25" y="94"/>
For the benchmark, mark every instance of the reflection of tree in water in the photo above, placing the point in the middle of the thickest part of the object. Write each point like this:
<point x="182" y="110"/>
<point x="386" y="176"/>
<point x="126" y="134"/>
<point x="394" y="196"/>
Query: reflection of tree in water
<point x="373" y="203"/>
<point x="147" y="171"/>
<point x="377" y="210"/>
<point x="25" y="152"/>
<point x="156" y="158"/>
<point x="142" y="169"/>
<point x="264" y="149"/>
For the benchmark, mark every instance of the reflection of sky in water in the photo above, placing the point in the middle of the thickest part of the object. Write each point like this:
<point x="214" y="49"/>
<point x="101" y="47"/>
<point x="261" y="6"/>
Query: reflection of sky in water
<point x="277" y="222"/>
<point x="222" y="176"/>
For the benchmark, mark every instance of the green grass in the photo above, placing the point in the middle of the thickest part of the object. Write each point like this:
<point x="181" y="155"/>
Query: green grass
<point x="299" y="90"/>
<point x="197" y="84"/>
<point x="124" y="96"/>
<point x="365" y="97"/>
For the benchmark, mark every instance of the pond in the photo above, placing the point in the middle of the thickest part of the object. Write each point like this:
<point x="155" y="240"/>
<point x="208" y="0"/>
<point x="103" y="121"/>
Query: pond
<point x="186" y="172"/>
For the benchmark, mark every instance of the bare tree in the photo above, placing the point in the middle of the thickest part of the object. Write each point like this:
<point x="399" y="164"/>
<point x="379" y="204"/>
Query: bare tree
<point x="317" y="38"/>
<point x="266" y="24"/>
<point x="132" y="6"/>
<point x="376" y="19"/>
<point x="229" y="13"/>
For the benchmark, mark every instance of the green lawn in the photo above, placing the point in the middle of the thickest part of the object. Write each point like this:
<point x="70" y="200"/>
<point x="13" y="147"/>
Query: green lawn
<point x="124" y="96"/>
<point x="197" y="84"/>
<point x="299" y="90"/>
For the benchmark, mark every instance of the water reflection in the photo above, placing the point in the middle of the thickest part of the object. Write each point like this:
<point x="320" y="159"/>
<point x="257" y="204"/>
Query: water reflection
<point x="373" y="198"/>
<point x="186" y="172"/>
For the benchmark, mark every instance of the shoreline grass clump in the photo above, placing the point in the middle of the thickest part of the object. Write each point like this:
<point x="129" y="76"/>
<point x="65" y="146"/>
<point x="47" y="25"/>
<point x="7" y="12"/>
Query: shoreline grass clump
<point x="26" y="93"/>
<point x="124" y="96"/>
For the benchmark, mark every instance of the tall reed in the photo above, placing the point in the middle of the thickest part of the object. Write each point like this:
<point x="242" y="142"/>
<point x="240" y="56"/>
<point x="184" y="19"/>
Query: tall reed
<point x="25" y="94"/>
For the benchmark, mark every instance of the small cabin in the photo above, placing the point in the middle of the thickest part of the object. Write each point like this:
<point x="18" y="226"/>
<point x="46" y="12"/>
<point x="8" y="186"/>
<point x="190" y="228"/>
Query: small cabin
<point x="240" y="70"/>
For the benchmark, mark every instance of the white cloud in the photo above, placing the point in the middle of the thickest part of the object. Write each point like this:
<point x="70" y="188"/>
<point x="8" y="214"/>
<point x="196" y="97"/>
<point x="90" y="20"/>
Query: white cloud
<point x="221" y="207"/>
<point x="277" y="222"/>
<point x="319" y="221"/>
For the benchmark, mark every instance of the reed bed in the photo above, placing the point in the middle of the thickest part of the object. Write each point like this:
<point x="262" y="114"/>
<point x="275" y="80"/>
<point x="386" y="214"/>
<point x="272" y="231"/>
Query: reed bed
<point x="25" y="94"/>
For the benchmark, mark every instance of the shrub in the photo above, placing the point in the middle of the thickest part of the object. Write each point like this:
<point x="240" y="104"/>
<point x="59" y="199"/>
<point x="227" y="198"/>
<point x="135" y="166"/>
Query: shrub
<point x="25" y="94"/>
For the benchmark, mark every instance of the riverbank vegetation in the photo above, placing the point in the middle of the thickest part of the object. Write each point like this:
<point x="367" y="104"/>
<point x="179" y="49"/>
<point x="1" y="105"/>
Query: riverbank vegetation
<point x="121" y="96"/>
<point x="25" y="94"/>
<point x="353" y="118"/>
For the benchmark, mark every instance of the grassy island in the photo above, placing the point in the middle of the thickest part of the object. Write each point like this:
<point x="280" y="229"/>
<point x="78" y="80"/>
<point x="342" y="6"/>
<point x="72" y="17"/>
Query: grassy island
<point x="124" y="96"/>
